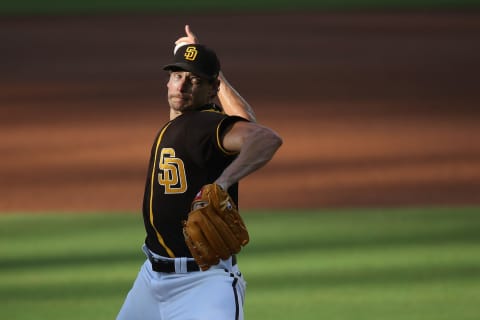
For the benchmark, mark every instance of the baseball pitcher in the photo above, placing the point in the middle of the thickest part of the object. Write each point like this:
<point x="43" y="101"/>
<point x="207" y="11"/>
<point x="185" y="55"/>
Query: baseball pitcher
<point x="193" y="228"/>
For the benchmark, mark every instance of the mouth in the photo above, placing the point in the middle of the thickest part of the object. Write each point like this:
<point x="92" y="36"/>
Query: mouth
<point x="179" y="102"/>
<point x="180" y="98"/>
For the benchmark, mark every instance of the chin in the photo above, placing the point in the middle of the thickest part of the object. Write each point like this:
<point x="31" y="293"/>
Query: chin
<point x="178" y="106"/>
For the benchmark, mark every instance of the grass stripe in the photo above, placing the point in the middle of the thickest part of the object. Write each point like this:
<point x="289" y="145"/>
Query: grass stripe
<point x="396" y="264"/>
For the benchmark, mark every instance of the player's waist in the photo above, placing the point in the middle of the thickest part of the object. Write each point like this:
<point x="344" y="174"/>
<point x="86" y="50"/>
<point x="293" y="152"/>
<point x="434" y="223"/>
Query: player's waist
<point x="174" y="265"/>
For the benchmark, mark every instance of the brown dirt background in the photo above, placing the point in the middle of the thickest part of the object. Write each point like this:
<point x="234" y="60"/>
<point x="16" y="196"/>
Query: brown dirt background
<point x="376" y="109"/>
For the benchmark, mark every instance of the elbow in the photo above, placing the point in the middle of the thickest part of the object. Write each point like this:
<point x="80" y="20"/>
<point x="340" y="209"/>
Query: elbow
<point x="277" y="140"/>
<point x="272" y="140"/>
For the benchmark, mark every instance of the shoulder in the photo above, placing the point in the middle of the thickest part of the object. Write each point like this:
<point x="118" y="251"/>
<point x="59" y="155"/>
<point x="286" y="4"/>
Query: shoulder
<point x="213" y="115"/>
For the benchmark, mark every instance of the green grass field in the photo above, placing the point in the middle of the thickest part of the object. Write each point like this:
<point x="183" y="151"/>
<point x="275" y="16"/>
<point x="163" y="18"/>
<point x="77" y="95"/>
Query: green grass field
<point x="330" y="264"/>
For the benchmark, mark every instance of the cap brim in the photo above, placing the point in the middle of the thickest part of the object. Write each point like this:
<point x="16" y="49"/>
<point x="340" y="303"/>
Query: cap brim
<point x="186" y="67"/>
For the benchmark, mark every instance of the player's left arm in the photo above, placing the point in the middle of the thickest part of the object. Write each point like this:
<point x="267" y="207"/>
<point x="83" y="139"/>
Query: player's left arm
<point x="232" y="102"/>
<point x="255" y="144"/>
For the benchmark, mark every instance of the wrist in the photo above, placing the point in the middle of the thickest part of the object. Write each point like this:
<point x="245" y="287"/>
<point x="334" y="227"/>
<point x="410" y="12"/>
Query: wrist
<point x="223" y="184"/>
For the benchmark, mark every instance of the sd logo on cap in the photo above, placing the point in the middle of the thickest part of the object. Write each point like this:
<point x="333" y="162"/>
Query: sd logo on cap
<point x="197" y="59"/>
<point x="190" y="53"/>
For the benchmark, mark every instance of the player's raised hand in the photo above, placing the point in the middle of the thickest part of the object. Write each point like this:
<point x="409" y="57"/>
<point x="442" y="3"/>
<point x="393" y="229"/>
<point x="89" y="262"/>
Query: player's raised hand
<point x="190" y="37"/>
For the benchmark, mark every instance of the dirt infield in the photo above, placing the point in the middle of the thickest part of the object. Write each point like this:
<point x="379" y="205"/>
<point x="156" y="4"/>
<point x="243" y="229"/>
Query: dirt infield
<point x="375" y="109"/>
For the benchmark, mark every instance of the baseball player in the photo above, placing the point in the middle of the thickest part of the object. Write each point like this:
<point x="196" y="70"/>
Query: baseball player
<point x="196" y="162"/>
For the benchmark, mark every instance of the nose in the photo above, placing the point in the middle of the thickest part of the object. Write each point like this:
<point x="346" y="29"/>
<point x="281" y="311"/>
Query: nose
<point x="183" y="85"/>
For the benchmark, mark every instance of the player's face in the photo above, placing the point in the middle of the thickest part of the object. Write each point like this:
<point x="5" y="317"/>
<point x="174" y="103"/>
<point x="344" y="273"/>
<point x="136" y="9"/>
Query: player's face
<point x="187" y="91"/>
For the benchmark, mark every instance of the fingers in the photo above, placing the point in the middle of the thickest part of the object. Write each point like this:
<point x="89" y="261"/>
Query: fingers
<point x="187" y="30"/>
<point x="184" y="40"/>
<point x="190" y="36"/>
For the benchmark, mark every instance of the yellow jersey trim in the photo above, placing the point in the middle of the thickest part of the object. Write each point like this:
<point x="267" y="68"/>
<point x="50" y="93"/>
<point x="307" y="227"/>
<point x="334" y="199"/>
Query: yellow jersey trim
<point x="219" y="142"/>
<point x="159" y="236"/>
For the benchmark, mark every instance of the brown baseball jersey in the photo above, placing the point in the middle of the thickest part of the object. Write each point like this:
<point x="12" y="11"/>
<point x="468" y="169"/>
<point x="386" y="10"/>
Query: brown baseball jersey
<point x="186" y="154"/>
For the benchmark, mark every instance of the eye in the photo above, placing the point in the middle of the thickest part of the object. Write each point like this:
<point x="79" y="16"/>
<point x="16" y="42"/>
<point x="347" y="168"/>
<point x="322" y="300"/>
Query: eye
<point x="196" y="81"/>
<point x="176" y="75"/>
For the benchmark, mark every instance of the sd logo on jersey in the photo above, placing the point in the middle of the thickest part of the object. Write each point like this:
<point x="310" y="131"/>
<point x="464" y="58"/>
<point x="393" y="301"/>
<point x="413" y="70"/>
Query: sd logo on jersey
<point x="172" y="172"/>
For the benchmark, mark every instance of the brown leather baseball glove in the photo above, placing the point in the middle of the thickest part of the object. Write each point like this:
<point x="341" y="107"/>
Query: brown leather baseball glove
<point x="214" y="229"/>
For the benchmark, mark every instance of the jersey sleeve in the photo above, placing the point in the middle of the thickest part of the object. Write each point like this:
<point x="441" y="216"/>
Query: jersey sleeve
<point x="222" y="127"/>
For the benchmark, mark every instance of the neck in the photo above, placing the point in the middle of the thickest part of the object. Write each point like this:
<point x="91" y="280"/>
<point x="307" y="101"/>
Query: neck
<point x="174" y="114"/>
